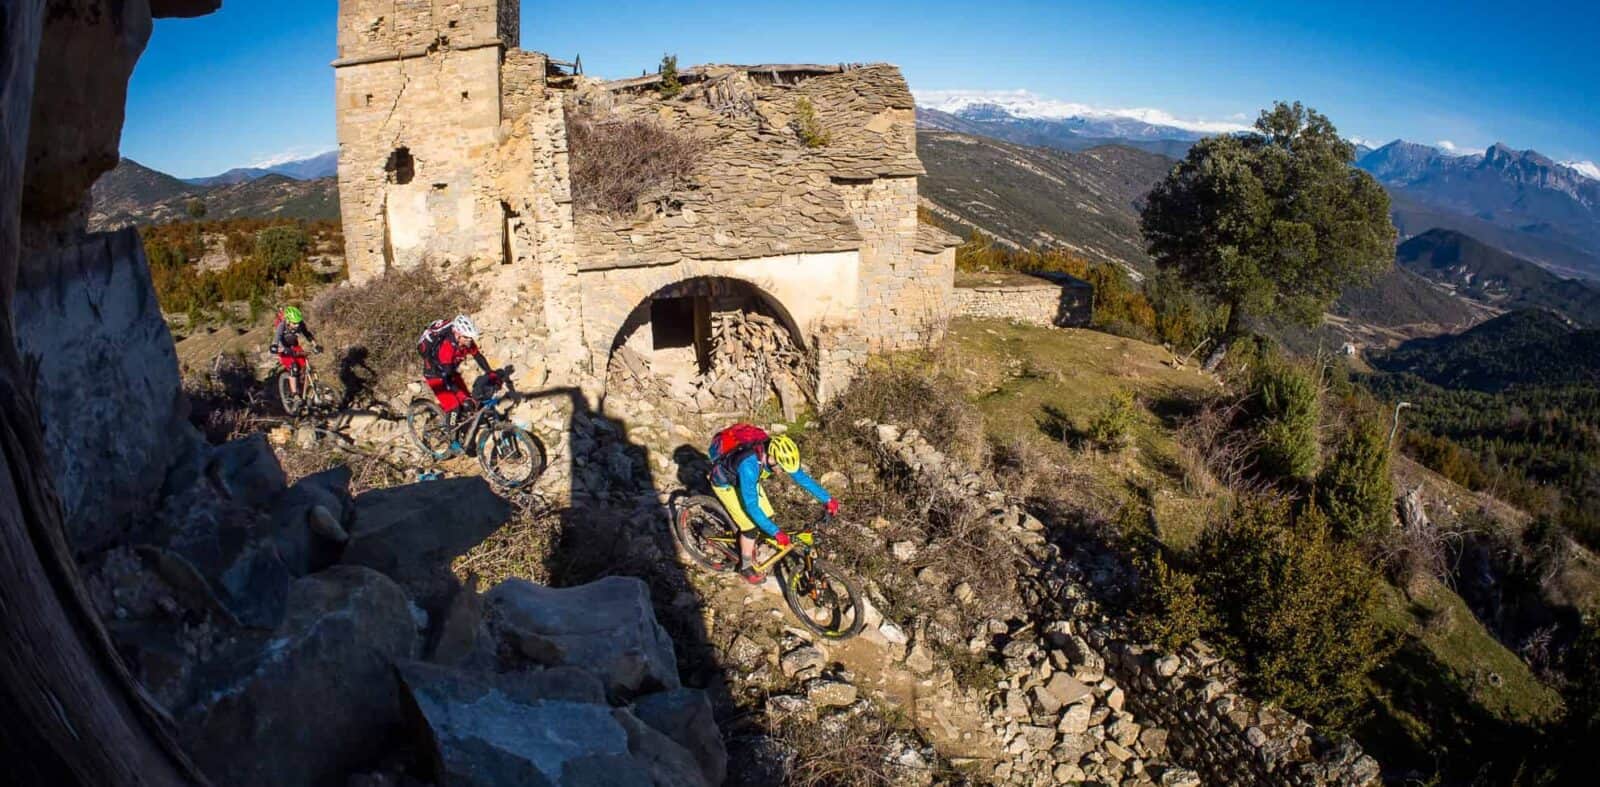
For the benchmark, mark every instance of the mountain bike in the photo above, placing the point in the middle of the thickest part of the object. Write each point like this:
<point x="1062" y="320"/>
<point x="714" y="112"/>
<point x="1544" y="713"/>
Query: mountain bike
<point x="510" y="455"/>
<point x="820" y="595"/>
<point x="314" y="395"/>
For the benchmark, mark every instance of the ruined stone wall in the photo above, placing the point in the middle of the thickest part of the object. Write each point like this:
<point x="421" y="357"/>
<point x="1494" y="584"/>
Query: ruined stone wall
<point x="108" y="387"/>
<point x="1045" y="305"/>
<point x="385" y="28"/>
<point x="444" y="109"/>
<point x="904" y="296"/>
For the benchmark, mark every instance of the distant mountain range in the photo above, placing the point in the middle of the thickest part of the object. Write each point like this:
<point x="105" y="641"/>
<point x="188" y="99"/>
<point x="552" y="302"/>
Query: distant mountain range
<point x="1517" y="200"/>
<point x="132" y="193"/>
<point x="323" y="165"/>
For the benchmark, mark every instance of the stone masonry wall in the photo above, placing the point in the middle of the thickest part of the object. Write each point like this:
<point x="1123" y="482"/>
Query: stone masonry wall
<point x="1045" y="305"/>
<point x="904" y="301"/>
<point x="383" y="28"/>
<point x="110" y="396"/>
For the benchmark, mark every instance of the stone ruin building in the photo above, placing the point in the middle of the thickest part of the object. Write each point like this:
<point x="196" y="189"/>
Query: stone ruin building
<point x="453" y="153"/>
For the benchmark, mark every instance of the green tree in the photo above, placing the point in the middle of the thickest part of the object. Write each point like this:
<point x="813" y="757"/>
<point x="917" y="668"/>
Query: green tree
<point x="1355" y="487"/>
<point x="279" y="248"/>
<point x="196" y="209"/>
<point x="671" y="86"/>
<point x="1274" y="223"/>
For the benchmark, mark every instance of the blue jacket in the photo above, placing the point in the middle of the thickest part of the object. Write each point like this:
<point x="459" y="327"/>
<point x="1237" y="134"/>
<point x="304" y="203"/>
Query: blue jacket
<point x="749" y="483"/>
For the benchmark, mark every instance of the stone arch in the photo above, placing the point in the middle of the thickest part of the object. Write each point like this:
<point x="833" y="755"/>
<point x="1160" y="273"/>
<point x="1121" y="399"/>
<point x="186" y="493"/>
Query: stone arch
<point x="671" y="324"/>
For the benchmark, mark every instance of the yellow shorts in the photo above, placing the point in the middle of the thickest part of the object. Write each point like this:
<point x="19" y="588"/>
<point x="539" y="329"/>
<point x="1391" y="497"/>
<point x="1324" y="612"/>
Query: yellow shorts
<point x="730" y="501"/>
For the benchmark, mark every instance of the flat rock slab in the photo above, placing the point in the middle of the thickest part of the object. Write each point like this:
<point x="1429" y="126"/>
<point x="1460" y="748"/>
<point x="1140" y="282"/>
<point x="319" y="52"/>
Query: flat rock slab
<point x="486" y="734"/>
<point x="606" y="627"/>
<point x="411" y="532"/>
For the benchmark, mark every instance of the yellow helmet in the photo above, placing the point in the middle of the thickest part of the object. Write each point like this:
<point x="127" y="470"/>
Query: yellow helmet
<point x="782" y="450"/>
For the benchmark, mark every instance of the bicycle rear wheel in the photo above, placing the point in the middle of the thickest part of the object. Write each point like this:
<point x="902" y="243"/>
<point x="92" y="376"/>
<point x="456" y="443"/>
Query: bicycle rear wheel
<point x="427" y="425"/>
<point x="511" y="456"/>
<point x="706" y="533"/>
<point x="822" y="597"/>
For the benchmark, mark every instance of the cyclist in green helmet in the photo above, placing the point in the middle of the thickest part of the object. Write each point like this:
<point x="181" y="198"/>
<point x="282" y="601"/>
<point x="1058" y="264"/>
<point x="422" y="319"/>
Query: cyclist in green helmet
<point x="286" y="333"/>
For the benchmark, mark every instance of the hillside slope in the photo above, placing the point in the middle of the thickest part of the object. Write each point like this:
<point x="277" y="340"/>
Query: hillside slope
<point x="1530" y="347"/>
<point x="1489" y="275"/>
<point x="1086" y="201"/>
<point x="134" y="194"/>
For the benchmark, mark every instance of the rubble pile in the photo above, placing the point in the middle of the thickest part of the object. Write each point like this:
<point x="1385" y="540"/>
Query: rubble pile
<point x="751" y="357"/>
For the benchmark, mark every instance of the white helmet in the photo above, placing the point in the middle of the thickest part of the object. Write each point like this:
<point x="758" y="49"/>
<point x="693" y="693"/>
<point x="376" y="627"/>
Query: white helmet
<point x="463" y="327"/>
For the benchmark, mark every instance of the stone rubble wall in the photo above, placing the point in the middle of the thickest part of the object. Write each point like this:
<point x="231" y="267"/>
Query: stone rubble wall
<point x="1046" y="305"/>
<point x="380" y="28"/>
<point x="109" y="390"/>
<point x="904" y="299"/>
<point x="1146" y="705"/>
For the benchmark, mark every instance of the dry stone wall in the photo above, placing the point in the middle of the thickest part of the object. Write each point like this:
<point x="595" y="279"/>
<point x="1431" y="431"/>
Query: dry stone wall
<point x="1035" y="302"/>
<point x="108" y="387"/>
<point x="1128" y="709"/>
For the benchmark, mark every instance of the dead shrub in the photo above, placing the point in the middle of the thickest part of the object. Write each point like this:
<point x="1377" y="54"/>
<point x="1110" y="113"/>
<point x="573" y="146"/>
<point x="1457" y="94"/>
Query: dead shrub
<point x="1215" y="448"/>
<point x="382" y="318"/>
<point x="225" y="400"/>
<point x="854" y="748"/>
<point x="617" y="161"/>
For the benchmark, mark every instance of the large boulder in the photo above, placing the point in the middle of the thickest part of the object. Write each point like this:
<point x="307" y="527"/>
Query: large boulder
<point x="320" y="698"/>
<point x="109" y="394"/>
<point x="485" y="730"/>
<point x="606" y="627"/>
<point x="301" y="516"/>
<point x="685" y="716"/>
<point x="413" y="532"/>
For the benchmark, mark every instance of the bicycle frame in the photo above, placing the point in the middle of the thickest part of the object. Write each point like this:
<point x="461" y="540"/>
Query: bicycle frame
<point x="800" y="541"/>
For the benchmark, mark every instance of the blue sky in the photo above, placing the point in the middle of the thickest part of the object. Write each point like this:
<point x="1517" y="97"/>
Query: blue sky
<point x="252" y="83"/>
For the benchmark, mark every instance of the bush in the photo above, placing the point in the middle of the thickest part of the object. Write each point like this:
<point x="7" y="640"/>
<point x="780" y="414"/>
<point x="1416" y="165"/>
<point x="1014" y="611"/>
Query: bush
<point x="1355" y="488"/>
<point x="1112" y="426"/>
<point x="383" y="317"/>
<point x="1296" y="609"/>
<point x="808" y="126"/>
<point x="1173" y="612"/>
<point x="616" y="162"/>
<point x="1288" y="411"/>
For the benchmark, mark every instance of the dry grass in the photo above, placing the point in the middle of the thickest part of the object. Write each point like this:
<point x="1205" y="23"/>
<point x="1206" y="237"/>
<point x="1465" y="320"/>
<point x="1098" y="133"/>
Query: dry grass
<point x="225" y="400"/>
<point x="378" y="322"/>
<point x="522" y="548"/>
<point x="849" y="749"/>
<point x="618" y="162"/>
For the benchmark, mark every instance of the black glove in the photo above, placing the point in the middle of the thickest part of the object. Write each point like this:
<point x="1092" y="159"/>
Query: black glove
<point x="275" y="349"/>
<point x="317" y="346"/>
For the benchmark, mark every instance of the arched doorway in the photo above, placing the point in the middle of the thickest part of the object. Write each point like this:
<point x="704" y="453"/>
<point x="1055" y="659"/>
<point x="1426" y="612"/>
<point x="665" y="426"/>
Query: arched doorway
<point x="712" y="342"/>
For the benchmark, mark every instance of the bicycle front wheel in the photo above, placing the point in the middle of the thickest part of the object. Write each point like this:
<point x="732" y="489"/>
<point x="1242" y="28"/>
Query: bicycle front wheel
<point x="427" y="425"/>
<point x="822" y="597"/>
<point x="511" y="456"/>
<point x="286" y="398"/>
<point x="706" y="533"/>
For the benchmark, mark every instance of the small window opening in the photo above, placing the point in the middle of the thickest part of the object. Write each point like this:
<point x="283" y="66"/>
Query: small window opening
<point x="464" y="95"/>
<point x="400" y="166"/>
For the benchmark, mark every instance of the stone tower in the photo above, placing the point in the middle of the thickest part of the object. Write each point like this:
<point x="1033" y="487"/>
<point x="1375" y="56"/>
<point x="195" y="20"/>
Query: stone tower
<point x="418" y="86"/>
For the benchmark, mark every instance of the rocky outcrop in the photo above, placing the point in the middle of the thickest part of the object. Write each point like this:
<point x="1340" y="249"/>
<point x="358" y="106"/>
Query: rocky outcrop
<point x="108" y="387"/>
<point x="606" y="627"/>
<point x="1086" y="700"/>
<point x="317" y="700"/>
<point x="411" y="533"/>
<point x="488" y="730"/>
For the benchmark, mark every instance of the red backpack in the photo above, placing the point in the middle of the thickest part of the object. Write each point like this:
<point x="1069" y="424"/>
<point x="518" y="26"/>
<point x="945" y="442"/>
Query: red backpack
<point x="732" y="443"/>
<point x="428" y="343"/>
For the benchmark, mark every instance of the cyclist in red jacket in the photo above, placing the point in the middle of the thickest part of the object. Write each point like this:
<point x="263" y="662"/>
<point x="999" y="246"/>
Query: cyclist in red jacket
<point x="444" y="345"/>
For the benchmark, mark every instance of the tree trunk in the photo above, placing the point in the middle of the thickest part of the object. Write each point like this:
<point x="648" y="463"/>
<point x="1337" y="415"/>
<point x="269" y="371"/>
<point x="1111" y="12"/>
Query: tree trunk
<point x="70" y="713"/>
<point x="1220" y="351"/>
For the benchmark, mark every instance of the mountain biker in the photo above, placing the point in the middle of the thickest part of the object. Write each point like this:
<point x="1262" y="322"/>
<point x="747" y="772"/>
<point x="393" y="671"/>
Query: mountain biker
<point x="286" y="344"/>
<point x="444" y="345"/>
<point x="741" y="456"/>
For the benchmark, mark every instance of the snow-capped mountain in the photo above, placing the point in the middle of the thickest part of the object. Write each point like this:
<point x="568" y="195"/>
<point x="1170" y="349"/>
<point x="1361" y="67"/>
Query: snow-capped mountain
<point x="1011" y="105"/>
<point x="322" y="165"/>
<point x="1588" y="169"/>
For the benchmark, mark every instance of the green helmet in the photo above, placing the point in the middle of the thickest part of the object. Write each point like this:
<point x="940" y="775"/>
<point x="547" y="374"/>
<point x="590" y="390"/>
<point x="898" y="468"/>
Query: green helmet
<point x="293" y="316"/>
